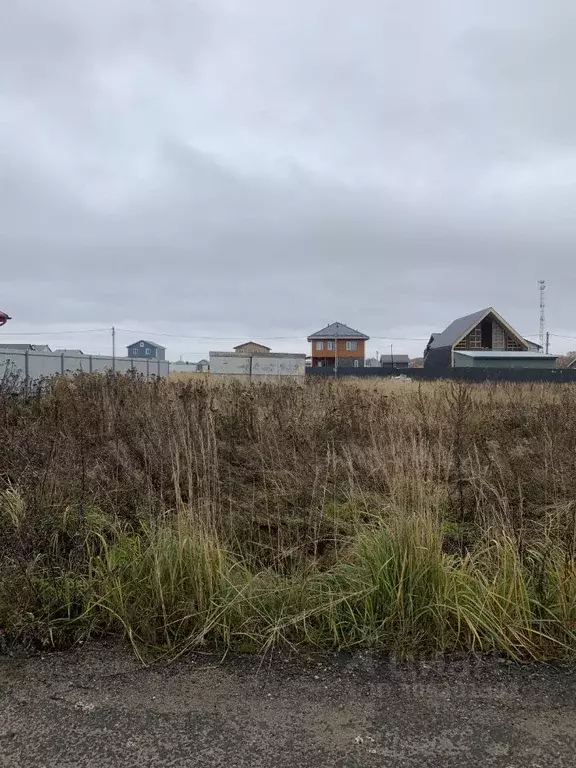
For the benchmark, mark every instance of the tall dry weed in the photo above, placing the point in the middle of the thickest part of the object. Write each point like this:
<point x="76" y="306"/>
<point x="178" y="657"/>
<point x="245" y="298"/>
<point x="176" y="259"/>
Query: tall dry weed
<point x="406" y="516"/>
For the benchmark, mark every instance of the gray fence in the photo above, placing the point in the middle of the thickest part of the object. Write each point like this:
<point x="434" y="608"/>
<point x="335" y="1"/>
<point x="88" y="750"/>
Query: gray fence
<point x="257" y="366"/>
<point x="36" y="365"/>
<point x="557" y="375"/>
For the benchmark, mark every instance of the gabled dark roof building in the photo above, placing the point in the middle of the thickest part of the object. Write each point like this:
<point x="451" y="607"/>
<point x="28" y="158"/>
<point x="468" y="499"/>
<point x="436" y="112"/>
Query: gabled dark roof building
<point x="483" y="339"/>
<point x="395" y="361"/>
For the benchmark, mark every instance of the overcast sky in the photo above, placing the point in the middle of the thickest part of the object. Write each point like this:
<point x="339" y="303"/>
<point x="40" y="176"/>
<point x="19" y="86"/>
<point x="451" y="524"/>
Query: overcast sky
<point x="257" y="169"/>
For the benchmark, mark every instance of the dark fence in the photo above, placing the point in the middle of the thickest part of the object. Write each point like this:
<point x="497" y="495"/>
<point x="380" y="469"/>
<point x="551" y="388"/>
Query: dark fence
<point x="560" y="375"/>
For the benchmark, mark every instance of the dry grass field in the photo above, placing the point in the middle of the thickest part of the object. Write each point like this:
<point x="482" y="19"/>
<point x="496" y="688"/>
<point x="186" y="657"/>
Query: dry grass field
<point x="187" y="376"/>
<point x="412" y="518"/>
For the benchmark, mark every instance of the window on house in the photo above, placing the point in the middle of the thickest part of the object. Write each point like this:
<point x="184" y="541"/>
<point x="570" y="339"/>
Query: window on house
<point x="486" y="333"/>
<point x="351" y="346"/>
<point x="330" y="345"/>
<point x="148" y="351"/>
<point x="475" y="338"/>
<point x="141" y="343"/>
<point x="356" y="363"/>
<point x="498" y="337"/>
<point x="512" y="345"/>
<point x="319" y="345"/>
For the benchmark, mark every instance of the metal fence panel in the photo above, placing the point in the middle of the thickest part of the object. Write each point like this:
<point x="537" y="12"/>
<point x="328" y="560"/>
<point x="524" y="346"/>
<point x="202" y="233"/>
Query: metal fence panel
<point x="558" y="375"/>
<point x="36" y="365"/>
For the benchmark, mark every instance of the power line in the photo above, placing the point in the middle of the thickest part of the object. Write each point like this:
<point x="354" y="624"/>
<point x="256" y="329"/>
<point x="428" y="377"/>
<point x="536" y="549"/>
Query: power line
<point x="154" y="334"/>
<point x="263" y="338"/>
<point x="559" y="336"/>
<point x="204" y="338"/>
<point x="58" y="333"/>
<point x="194" y="338"/>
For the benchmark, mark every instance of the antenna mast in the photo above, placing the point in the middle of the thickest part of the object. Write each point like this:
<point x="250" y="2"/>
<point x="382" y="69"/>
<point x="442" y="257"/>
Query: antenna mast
<point x="542" y="334"/>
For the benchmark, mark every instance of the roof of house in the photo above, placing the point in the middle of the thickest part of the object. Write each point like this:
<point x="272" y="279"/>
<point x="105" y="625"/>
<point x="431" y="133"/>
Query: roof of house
<point x="29" y="347"/>
<point x="533" y="344"/>
<point x="338" y="331"/>
<point x="456" y="329"/>
<point x="394" y="358"/>
<point x="150" y="344"/>
<point x="68" y="351"/>
<point x="503" y="353"/>
<point x="462" y="325"/>
<point x="16" y="346"/>
<point x="254" y="343"/>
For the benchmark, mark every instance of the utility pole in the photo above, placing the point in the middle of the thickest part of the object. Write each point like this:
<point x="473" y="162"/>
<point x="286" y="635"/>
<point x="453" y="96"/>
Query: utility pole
<point x="113" y="348"/>
<point x="392" y="355"/>
<point x="547" y="342"/>
<point x="542" y="334"/>
<point x="335" y="357"/>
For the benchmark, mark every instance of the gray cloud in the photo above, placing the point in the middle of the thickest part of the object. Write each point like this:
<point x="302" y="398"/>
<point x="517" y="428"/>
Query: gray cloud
<point x="227" y="169"/>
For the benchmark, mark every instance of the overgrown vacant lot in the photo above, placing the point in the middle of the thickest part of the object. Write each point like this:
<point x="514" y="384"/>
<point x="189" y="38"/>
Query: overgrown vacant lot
<point x="335" y="514"/>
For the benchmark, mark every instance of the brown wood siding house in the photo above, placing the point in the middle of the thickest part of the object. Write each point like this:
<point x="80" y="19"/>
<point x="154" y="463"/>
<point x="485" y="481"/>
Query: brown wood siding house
<point x="338" y="345"/>
<point x="252" y="348"/>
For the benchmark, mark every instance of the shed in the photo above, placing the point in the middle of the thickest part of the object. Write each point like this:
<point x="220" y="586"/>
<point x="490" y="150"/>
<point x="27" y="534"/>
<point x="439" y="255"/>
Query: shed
<point x="395" y="361"/>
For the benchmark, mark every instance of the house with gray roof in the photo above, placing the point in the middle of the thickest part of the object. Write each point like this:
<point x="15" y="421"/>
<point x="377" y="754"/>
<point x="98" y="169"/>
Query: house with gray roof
<point x="149" y="350"/>
<point x="25" y="347"/>
<point x="395" y="361"/>
<point x="484" y="339"/>
<point x="338" y="345"/>
<point x="185" y="366"/>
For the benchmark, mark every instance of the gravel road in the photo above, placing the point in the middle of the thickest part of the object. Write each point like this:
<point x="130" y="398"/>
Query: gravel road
<point x="98" y="707"/>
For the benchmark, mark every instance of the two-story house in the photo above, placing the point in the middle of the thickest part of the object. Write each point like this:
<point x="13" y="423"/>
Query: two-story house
<point x="338" y="345"/>
<point x="147" y="350"/>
